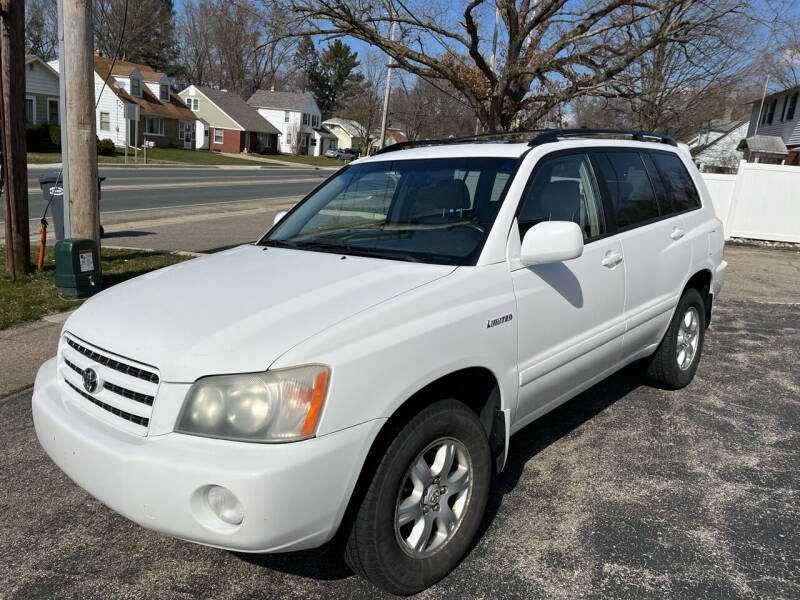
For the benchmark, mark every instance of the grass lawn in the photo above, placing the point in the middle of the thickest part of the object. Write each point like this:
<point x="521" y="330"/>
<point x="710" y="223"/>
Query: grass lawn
<point x="33" y="296"/>
<point x="154" y="156"/>
<point x="318" y="161"/>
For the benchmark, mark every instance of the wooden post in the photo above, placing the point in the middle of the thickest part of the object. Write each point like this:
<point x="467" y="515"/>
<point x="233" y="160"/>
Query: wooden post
<point x="12" y="117"/>
<point x="84" y="209"/>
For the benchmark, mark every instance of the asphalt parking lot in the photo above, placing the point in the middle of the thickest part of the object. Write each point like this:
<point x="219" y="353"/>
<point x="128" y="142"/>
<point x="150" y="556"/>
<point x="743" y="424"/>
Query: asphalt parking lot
<point x="625" y="491"/>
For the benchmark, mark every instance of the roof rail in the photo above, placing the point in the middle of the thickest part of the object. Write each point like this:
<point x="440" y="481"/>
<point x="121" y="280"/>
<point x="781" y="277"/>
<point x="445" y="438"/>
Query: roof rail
<point x="554" y="135"/>
<point x="478" y="137"/>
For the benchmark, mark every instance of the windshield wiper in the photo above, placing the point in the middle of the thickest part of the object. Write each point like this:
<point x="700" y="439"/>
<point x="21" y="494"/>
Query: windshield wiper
<point x="356" y="251"/>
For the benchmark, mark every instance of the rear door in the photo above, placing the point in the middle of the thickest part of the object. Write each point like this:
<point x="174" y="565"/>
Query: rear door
<point x="656" y="253"/>
<point x="569" y="314"/>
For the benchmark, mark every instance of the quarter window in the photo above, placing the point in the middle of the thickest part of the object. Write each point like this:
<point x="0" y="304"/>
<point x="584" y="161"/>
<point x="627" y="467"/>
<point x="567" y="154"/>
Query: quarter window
<point x="629" y="187"/>
<point x="564" y="189"/>
<point x="681" y="187"/>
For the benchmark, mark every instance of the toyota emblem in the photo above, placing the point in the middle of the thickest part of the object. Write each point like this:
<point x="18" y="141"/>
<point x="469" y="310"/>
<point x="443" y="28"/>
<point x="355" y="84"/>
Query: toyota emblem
<point x="90" y="380"/>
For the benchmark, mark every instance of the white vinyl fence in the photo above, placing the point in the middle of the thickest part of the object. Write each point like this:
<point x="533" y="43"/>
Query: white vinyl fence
<point x="759" y="202"/>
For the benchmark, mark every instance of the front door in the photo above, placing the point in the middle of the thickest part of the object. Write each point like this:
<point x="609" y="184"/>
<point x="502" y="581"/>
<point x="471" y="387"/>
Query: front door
<point x="570" y="314"/>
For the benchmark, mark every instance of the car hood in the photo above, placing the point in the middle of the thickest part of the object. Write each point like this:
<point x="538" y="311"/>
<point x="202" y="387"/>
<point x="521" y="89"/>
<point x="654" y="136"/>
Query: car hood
<point x="238" y="311"/>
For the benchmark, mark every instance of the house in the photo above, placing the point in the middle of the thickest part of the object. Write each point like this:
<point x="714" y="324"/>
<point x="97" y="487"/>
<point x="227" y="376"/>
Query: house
<point x="297" y="116"/>
<point x="228" y="123"/>
<point x="349" y="134"/>
<point x="714" y="148"/>
<point x="778" y="118"/>
<point x="394" y="135"/>
<point x="41" y="92"/>
<point x="164" y="120"/>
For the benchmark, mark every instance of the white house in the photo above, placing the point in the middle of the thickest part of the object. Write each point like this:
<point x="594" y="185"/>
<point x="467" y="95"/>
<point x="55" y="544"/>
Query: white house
<point x="41" y="92"/>
<point x="714" y="148"/>
<point x="164" y="119"/>
<point x="297" y="117"/>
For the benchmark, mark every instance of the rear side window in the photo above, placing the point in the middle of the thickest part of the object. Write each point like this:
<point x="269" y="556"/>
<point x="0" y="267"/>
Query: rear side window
<point x="629" y="186"/>
<point x="564" y="189"/>
<point x="681" y="187"/>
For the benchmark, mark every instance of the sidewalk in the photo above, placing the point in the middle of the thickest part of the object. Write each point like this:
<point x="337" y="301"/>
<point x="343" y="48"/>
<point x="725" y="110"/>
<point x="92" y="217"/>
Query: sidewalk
<point x="275" y="161"/>
<point x="23" y="349"/>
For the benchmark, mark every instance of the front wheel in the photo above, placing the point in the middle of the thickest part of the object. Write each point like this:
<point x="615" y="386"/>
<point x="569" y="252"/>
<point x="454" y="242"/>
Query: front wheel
<point x="675" y="361"/>
<point x="425" y="502"/>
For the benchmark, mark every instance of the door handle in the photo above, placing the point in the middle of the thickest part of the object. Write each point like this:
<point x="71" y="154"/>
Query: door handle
<point x="677" y="233"/>
<point x="611" y="259"/>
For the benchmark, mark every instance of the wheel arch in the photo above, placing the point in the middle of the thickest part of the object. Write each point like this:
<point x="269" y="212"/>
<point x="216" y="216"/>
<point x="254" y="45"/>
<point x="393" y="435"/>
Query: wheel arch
<point x="477" y="387"/>
<point x="701" y="281"/>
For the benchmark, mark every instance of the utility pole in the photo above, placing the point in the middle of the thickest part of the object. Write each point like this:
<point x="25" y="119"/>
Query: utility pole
<point x="78" y="71"/>
<point x="491" y="63"/>
<point x="12" y="121"/>
<point x="389" y="67"/>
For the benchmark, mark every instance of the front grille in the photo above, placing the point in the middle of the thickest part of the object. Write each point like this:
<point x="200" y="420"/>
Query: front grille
<point x="114" y="364"/>
<point x="117" y="389"/>
<point x="127" y="389"/>
<point x="143" y="421"/>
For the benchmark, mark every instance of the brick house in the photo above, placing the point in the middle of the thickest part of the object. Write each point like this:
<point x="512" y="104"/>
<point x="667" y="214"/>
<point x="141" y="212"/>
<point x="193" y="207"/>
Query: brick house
<point x="164" y="120"/>
<point x="228" y="123"/>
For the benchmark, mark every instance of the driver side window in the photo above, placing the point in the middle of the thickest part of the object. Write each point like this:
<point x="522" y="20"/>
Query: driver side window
<point x="564" y="189"/>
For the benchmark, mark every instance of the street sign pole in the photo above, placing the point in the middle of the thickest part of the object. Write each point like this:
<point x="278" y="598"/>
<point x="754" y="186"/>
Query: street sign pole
<point x="62" y="118"/>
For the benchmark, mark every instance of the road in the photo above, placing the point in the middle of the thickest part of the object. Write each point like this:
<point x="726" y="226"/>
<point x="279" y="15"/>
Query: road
<point x="624" y="492"/>
<point x="127" y="189"/>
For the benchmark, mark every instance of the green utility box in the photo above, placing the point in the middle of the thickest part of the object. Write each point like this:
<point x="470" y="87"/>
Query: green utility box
<point x="77" y="267"/>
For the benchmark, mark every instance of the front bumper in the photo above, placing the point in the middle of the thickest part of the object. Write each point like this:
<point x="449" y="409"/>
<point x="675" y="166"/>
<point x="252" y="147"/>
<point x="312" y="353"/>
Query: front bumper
<point x="294" y="495"/>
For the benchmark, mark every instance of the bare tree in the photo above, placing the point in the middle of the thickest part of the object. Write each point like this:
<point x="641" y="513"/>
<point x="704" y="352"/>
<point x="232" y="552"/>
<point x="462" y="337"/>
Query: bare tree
<point x="41" y="28"/>
<point x="551" y="51"/>
<point x="432" y="110"/>
<point x="293" y="135"/>
<point x="227" y="45"/>
<point x="365" y="104"/>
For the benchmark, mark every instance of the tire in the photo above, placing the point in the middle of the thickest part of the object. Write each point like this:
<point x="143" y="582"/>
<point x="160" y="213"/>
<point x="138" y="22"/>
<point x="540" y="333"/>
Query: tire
<point x="379" y="549"/>
<point x="664" y="369"/>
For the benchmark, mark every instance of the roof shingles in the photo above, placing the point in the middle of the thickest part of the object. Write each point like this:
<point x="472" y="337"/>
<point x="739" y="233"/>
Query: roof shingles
<point x="238" y="110"/>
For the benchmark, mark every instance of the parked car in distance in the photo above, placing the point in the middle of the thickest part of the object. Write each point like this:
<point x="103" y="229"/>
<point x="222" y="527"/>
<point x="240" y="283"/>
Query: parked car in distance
<point x="362" y="367"/>
<point x="342" y="154"/>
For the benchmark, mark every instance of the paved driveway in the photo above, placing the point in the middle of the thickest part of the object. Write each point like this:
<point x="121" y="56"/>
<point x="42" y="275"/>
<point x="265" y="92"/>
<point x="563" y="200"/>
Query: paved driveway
<point x="626" y="491"/>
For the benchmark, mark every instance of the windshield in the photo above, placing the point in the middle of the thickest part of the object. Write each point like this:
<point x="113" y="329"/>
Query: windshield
<point x="432" y="210"/>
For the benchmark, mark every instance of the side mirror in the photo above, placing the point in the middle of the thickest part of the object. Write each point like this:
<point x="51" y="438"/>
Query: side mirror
<point x="551" y="242"/>
<point x="279" y="216"/>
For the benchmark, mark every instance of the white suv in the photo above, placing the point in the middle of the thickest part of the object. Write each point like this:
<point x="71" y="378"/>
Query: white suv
<point x="361" y="368"/>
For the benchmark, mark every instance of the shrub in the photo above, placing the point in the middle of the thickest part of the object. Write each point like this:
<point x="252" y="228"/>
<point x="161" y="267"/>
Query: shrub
<point x="105" y="147"/>
<point x="54" y="131"/>
<point x="36" y="137"/>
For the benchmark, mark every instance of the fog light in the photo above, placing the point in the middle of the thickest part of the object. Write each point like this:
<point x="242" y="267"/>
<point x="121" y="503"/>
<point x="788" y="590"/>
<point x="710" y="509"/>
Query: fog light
<point x="225" y="505"/>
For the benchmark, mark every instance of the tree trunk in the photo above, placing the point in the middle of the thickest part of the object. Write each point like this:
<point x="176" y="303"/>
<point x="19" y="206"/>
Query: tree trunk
<point x="84" y="209"/>
<point x="15" y="166"/>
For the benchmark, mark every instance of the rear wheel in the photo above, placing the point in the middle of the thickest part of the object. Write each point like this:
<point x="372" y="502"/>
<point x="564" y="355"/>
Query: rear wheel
<point x="675" y="361"/>
<point x="425" y="502"/>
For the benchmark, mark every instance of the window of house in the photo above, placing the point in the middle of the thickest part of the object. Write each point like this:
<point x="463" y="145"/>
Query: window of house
<point x="286" y="116"/>
<point x="629" y="186"/>
<point x="163" y="92"/>
<point x="305" y="118"/>
<point x="219" y="135"/>
<point x="792" y="106"/>
<point x="563" y="189"/>
<point x="105" y="121"/>
<point x="136" y="87"/>
<point x="783" y="110"/>
<point x="771" y="111"/>
<point x="30" y="109"/>
<point x="314" y="141"/>
<point x="154" y="126"/>
<point x="193" y="104"/>
<point x="314" y="120"/>
<point x="52" y="111"/>
<point x="289" y="138"/>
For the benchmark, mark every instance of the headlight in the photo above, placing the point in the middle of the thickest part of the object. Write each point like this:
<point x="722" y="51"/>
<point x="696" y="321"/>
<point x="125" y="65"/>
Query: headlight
<point x="275" y="406"/>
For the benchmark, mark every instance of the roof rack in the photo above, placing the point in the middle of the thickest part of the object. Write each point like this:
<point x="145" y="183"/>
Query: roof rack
<point x="542" y="136"/>
<point x="478" y="137"/>
<point x="554" y="135"/>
